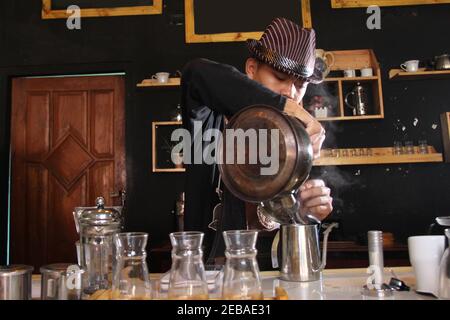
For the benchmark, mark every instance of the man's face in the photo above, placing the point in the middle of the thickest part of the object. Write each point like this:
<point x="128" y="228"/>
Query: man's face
<point x="279" y="82"/>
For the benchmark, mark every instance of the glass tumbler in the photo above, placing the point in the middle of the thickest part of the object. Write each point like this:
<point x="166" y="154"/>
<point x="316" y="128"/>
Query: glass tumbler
<point x="241" y="279"/>
<point x="423" y="146"/>
<point x="130" y="278"/>
<point x="187" y="275"/>
<point x="397" y="149"/>
<point x="409" y="147"/>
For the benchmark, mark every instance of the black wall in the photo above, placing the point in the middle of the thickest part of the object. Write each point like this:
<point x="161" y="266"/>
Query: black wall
<point x="402" y="199"/>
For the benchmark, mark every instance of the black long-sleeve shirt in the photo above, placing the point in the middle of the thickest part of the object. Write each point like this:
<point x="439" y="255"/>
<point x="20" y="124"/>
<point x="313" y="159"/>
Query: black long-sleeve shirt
<point x="210" y="91"/>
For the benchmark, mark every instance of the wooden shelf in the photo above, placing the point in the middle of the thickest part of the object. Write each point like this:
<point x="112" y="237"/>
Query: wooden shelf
<point x="397" y="74"/>
<point x="153" y="83"/>
<point x="340" y="86"/>
<point x="376" y="116"/>
<point x="354" y="79"/>
<point x="379" y="156"/>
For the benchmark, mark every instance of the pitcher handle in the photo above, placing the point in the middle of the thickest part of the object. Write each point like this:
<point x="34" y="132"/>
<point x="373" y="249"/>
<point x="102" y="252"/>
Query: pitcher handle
<point x="274" y="251"/>
<point x="346" y="100"/>
<point x="326" y="233"/>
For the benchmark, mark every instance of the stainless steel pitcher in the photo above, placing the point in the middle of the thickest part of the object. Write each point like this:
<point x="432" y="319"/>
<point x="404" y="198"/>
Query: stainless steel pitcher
<point x="300" y="254"/>
<point x="360" y="101"/>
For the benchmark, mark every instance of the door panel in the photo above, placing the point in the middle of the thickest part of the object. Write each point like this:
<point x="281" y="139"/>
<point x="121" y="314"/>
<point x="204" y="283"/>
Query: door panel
<point x="67" y="142"/>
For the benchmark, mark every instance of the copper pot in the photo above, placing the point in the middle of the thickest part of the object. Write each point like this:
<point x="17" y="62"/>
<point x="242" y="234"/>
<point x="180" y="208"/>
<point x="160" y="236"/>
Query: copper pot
<point x="295" y="158"/>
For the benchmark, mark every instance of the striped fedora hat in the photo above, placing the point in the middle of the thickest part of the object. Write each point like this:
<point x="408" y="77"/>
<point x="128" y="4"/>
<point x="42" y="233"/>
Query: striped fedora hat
<point x="288" y="48"/>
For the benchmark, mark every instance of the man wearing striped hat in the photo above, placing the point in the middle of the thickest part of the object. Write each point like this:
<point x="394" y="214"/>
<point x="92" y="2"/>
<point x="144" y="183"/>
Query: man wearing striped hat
<point x="280" y="66"/>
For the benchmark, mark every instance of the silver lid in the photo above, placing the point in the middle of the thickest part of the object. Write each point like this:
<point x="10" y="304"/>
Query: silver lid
<point x="15" y="269"/>
<point x="100" y="215"/>
<point x="443" y="221"/>
<point x="56" y="268"/>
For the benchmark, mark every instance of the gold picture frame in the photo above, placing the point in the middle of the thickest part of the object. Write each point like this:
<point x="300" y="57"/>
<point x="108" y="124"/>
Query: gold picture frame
<point x="49" y="13"/>
<point x="162" y="147"/>
<point x="192" y="37"/>
<point x="445" y="125"/>
<point x="339" y="4"/>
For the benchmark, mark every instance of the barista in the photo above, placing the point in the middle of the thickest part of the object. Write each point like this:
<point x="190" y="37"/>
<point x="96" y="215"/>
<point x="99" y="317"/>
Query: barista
<point x="280" y="66"/>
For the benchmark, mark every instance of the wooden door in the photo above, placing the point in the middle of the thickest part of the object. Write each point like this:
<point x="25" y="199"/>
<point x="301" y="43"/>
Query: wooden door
<point x="67" y="142"/>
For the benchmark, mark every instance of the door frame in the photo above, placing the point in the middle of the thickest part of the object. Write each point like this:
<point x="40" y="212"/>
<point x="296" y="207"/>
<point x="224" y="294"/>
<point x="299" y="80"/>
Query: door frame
<point x="7" y="74"/>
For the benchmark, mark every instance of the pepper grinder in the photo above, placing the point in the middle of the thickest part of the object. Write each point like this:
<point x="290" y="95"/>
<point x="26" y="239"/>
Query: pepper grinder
<point x="375" y="286"/>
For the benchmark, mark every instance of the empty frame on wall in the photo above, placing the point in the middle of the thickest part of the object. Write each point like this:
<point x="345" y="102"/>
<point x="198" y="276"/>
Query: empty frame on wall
<point x="382" y="3"/>
<point x="237" y="20"/>
<point x="162" y="146"/>
<point x="57" y="9"/>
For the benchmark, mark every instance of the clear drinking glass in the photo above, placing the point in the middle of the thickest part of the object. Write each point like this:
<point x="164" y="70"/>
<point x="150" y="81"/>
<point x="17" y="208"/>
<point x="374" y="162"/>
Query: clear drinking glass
<point x="409" y="147"/>
<point x="131" y="279"/>
<point x="345" y="153"/>
<point x="397" y="149"/>
<point x="423" y="146"/>
<point x="187" y="274"/>
<point x="241" y="279"/>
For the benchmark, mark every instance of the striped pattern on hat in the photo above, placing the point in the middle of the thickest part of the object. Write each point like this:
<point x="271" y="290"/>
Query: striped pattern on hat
<point x="288" y="48"/>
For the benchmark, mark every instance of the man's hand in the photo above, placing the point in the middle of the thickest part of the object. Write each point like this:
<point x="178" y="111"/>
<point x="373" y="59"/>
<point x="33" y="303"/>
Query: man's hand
<point x="313" y="127"/>
<point x="315" y="199"/>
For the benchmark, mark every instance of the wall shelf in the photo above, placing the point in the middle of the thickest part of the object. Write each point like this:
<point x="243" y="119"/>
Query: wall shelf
<point x="379" y="156"/>
<point x="153" y="83"/>
<point x="397" y="74"/>
<point x="334" y="88"/>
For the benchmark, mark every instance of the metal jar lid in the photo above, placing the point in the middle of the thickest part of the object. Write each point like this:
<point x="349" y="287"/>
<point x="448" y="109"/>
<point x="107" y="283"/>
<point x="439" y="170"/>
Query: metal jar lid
<point x="15" y="270"/>
<point x="56" y="269"/>
<point x="100" y="215"/>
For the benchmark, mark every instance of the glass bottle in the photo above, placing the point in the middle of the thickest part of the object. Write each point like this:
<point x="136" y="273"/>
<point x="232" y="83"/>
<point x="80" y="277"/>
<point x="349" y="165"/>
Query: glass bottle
<point x="241" y="279"/>
<point x="444" y="277"/>
<point x="131" y="279"/>
<point x="187" y="274"/>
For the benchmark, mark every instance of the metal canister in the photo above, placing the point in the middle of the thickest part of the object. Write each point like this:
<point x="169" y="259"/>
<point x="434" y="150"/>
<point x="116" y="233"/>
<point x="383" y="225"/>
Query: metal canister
<point x="97" y="228"/>
<point x="15" y="282"/>
<point x="61" y="281"/>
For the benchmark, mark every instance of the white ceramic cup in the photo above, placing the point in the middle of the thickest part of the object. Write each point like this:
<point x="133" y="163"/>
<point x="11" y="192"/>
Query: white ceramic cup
<point x="161" y="77"/>
<point x="410" y="66"/>
<point x="425" y="253"/>
<point x="350" y="73"/>
<point x="367" y="72"/>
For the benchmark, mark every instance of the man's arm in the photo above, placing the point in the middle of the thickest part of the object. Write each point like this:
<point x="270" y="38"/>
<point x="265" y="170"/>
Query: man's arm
<point x="223" y="88"/>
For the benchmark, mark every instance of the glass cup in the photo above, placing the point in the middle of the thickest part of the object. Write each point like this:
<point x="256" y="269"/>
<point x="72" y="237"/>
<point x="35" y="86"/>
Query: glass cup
<point x="423" y="146"/>
<point x="345" y="153"/>
<point x="241" y="279"/>
<point x="409" y="147"/>
<point x="187" y="274"/>
<point x="335" y="153"/>
<point x="369" y="152"/>
<point x="130" y="278"/>
<point x="397" y="149"/>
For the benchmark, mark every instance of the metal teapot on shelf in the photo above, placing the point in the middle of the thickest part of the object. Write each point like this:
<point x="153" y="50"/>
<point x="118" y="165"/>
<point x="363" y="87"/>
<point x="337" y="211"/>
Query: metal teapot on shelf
<point x="276" y="194"/>
<point x="360" y="101"/>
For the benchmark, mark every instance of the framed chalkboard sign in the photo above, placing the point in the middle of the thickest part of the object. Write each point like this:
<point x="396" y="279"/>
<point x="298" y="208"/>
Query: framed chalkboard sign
<point x="382" y="3"/>
<point x="57" y="9"/>
<point x="162" y="146"/>
<point x="238" y="20"/>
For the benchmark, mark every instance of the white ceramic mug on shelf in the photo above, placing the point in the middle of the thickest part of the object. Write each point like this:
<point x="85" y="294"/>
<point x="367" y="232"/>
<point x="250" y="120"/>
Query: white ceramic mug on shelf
<point x="425" y="253"/>
<point x="349" y="73"/>
<point x="410" y="66"/>
<point x="366" y="72"/>
<point x="161" y="77"/>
